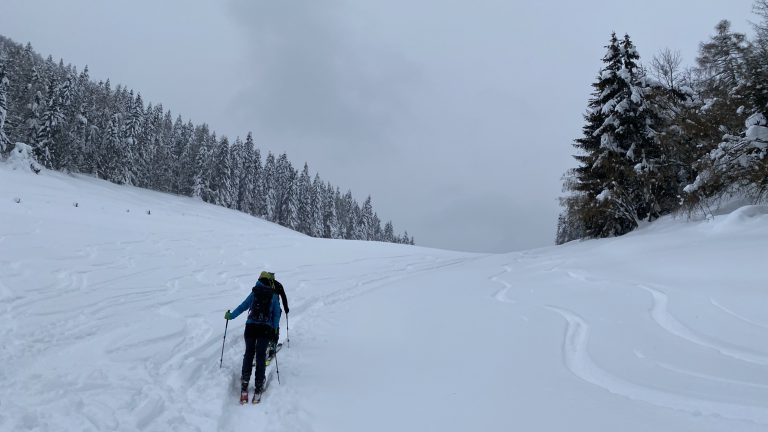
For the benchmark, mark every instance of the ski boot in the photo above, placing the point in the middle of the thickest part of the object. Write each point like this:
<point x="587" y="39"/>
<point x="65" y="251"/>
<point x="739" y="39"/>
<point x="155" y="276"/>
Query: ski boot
<point x="257" y="394"/>
<point x="244" y="393"/>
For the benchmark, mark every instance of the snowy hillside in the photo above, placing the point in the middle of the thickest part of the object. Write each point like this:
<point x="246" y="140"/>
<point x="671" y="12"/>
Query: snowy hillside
<point x="111" y="318"/>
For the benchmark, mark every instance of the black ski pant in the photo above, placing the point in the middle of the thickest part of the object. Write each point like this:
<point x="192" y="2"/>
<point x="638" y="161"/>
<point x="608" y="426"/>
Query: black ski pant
<point x="257" y="338"/>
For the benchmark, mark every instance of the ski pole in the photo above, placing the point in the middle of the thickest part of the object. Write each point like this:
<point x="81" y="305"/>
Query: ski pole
<point x="287" y="329"/>
<point x="277" y="368"/>
<point x="222" y="343"/>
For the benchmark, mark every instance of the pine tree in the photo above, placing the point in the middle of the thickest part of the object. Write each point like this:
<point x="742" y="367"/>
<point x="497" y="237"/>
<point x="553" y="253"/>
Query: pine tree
<point x="131" y="136"/>
<point x="614" y="186"/>
<point x="258" y="205"/>
<point x="248" y="177"/>
<point x="110" y="155"/>
<point x="367" y="225"/>
<point x="376" y="233"/>
<point x="46" y="149"/>
<point x="317" y="204"/>
<point x="294" y="195"/>
<point x="335" y="223"/>
<point x="284" y="188"/>
<point x="223" y="193"/>
<point x="202" y="179"/>
<point x="389" y="232"/>
<point x="270" y="189"/>
<point x="304" y="194"/>
<point x="237" y="162"/>
<point x="5" y="143"/>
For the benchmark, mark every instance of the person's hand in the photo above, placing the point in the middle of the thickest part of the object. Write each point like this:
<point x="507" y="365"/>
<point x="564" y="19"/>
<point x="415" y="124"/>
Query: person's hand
<point x="228" y="315"/>
<point x="286" y="310"/>
<point x="277" y="335"/>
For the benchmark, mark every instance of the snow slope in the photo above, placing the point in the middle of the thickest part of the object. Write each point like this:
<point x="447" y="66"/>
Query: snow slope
<point x="112" y="319"/>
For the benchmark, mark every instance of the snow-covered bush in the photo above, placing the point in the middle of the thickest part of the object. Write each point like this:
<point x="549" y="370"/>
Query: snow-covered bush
<point x="22" y="158"/>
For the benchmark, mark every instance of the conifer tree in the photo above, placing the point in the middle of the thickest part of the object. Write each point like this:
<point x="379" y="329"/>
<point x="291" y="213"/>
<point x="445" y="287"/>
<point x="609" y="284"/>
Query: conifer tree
<point x="304" y="194"/>
<point x="4" y="84"/>
<point x="389" y="232"/>
<point x="201" y="184"/>
<point x="367" y="226"/>
<point x="248" y="176"/>
<point x="614" y="188"/>
<point x="258" y="205"/>
<point x="239" y="183"/>
<point x="317" y="205"/>
<point x="270" y="189"/>
<point x="222" y="175"/>
<point x="284" y="188"/>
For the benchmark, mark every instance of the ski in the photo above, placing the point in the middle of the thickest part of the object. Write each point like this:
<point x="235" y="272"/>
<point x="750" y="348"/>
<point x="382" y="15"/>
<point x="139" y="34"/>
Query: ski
<point x="270" y="354"/>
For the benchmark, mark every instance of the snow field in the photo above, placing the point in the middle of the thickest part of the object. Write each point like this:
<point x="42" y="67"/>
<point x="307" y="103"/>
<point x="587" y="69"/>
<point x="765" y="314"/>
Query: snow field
<point x="112" y="319"/>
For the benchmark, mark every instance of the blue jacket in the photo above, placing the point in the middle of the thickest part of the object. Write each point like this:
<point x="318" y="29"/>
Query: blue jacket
<point x="275" y="310"/>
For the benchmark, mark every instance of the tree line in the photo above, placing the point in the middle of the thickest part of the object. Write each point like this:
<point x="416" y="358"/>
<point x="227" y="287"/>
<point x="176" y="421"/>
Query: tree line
<point x="76" y="125"/>
<point x="660" y="138"/>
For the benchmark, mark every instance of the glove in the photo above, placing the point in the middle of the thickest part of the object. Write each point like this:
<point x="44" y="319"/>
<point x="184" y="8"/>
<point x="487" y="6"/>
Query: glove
<point x="228" y="315"/>
<point x="277" y="335"/>
<point x="286" y="310"/>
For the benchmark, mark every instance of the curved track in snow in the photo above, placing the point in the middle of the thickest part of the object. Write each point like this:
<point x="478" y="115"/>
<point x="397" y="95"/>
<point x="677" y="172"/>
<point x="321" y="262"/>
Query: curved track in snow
<point x="580" y="363"/>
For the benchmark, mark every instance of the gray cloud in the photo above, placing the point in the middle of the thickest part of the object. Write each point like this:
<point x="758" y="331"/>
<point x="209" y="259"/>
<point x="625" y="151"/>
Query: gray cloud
<point x="316" y="82"/>
<point x="457" y="117"/>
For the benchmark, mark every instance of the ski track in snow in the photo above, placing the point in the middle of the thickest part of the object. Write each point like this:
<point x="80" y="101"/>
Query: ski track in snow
<point x="669" y="323"/>
<point x="738" y="316"/>
<point x="112" y="329"/>
<point x="502" y="295"/>
<point x="176" y="361"/>
<point x="577" y="359"/>
<point x="709" y="377"/>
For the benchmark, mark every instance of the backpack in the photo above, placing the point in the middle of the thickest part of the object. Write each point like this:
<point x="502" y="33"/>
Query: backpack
<point x="261" y="306"/>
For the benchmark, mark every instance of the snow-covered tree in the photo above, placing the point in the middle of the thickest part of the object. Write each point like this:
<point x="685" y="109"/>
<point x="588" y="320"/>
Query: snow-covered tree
<point x="367" y="225"/>
<point x="270" y="188"/>
<point x="304" y="192"/>
<point x="614" y="185"/>
<point x="221" y="176"/>
<point x="317" y="205"/>
<point x="248" y="176"/>
<point x="239" y="182"/>
<point x="4" y="84"/>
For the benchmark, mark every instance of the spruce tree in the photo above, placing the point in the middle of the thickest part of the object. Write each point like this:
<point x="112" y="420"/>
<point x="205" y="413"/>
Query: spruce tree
<point x="258" y="205"/>
<point x="202" y="179"/>
<point x="367" y="224"/>
<point x="270" y="189"/>
<point x="248" y="177"/>
<point x="389" y="232"/>
<point x="614" y="188"/>
<point x="317" y="206"/>
<point x="223" y="193"/>
<point x="239" y="182"/>
<point x="304" y="194"/>
<point x="5" y="143"/>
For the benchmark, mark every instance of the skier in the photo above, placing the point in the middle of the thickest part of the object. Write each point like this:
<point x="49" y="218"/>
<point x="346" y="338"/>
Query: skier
<point x="262" y="329"/>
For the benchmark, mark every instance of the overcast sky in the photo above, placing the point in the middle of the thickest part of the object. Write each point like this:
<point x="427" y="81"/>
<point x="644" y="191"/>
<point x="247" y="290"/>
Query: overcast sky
<point x="456" y="116"/>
